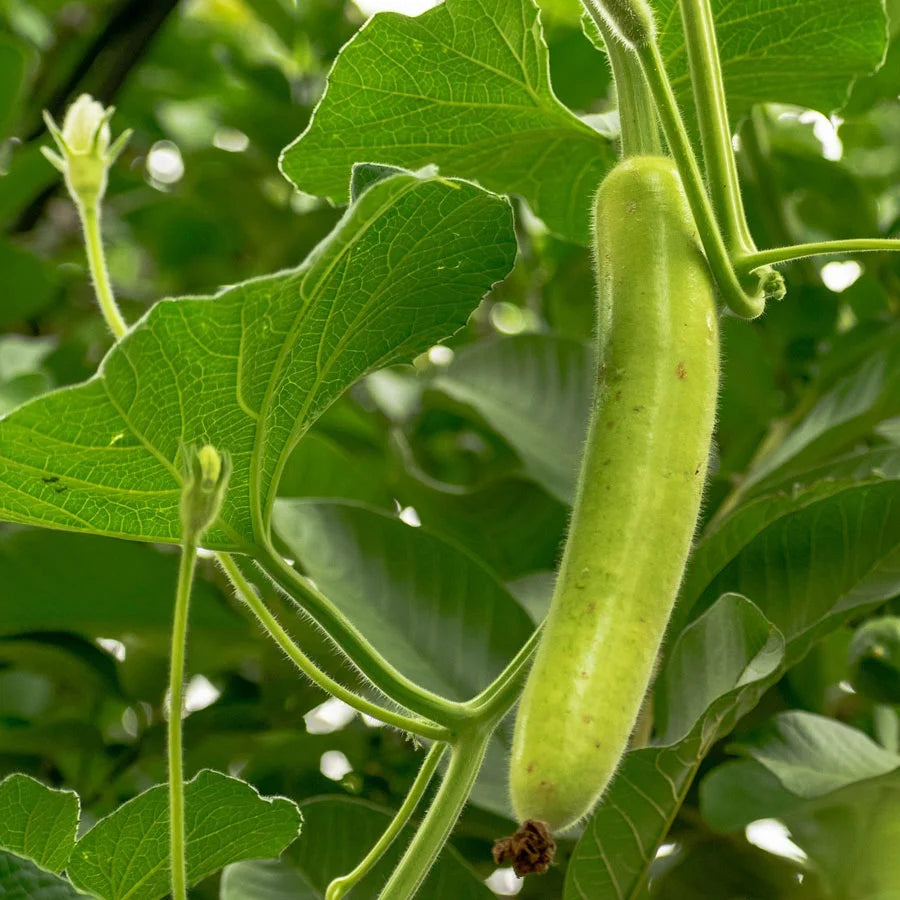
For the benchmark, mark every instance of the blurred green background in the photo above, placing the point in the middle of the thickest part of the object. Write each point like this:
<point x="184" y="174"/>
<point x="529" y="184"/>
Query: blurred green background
<point x="214" y="89"/>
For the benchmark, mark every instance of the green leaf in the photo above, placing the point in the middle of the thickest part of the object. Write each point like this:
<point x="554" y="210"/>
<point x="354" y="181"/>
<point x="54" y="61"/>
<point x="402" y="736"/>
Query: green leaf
<point x="809" y="554"/>
<point x="98" y="587"/>
<point x="430" y="608"/>
<point x="731" y="645"/>
<point x="535" y="391"/>
<point x="37" y="822"/>
<point x="21" y="879"/>
<point x="612" y="858"/>
<point x="466" y="86"/>
<point x="852" y="404"/>
<point x="802" y="52"/>
<point x="873" y="659"/>
<point x="340" y="831"/>
<point x="835" y="789"/>
<point x="324" y="468"/>
<point x="812" y="755"/>
<point x="126" y="854"/>
<point x="400" y="93"/>
<point x="264" y="880"/>
<point x="511" y="524"/>
<point x="250" y="369"/>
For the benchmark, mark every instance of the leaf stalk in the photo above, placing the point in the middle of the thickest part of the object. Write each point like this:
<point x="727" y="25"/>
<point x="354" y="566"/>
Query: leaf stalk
<point x="357" y="648"/>
<point x="749" y="262"/>
<point x="340" y="886"/>
<point x="274" y="629"/>
<point x="466" y="757"/>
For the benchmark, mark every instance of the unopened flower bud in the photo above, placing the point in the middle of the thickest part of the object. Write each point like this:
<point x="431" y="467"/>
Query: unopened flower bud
<point x="86" y="127"/>
<point x="85" y="153"/>
<point x="207" y="474"/>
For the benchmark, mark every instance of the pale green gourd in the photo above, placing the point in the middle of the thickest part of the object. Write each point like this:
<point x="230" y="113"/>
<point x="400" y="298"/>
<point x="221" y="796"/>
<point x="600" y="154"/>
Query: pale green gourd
<point x="638" y="498"/>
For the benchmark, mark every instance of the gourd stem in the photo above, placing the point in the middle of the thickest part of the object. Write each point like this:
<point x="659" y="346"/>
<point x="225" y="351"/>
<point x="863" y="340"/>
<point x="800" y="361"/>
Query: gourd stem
<point x="176" y="710"/>
<point x="501" y="693"/>
<point x="340" y="886"/>
<point x="637" y="118"/>
<point x="356" y="648"/>
<point x="274" y="629"/>
<point x="89" y="214"/>
<point x="748" y="262"/>
<point x="735" y="297"/>
<point x="715" y="132"/>
<point x="466" y="757"/>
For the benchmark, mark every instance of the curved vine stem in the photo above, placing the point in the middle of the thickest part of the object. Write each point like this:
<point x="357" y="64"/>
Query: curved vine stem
<point x="466" y="757"/>
<point x="715" y="131"/>
<point x="358" y="650"/>
<point x="735" y="297"/>
<point x="749" y="262"/>
<point x="340" y="886"/>
<point x="177" y="861"/>
<point x="272" y="626"/>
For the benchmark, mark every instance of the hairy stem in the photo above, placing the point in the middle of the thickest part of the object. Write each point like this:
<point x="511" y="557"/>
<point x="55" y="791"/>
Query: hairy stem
<point x="735" y="297"/>
<point x="748" y="262"/>
<point x="715" y="132"/>
<point x="466" y="757"/>
<point x="176" y="710"/>
<point x="357" y="649"/>
<point x="637" y="117"/>
<point x="93" y="241"/>
<point x="340" y="886"/>
<point x="274" y="629"/>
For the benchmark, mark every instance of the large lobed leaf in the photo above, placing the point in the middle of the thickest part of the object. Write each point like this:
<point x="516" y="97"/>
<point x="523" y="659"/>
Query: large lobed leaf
<point x="250" y="369"/>
<point x="466" y="86"/>
<point x="126" y="854"/>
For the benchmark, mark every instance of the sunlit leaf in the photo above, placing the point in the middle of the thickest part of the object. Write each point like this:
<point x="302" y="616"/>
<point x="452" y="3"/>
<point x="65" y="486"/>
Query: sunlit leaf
<point x="126" y="854"/>
<point x="37" y="822"/>
<point x="250" y="369"/>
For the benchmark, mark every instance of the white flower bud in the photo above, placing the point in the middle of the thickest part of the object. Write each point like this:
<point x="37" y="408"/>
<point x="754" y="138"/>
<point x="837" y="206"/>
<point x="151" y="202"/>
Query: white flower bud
<point x="85" y="153"/>
<point x="86" y="127"/>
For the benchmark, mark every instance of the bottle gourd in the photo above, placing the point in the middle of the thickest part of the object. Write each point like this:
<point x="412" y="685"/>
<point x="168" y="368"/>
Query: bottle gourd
<point x="638" y="497"/>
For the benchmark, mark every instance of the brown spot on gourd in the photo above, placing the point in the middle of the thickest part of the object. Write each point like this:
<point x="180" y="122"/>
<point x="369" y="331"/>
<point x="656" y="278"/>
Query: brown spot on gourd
<point x="681" y="371"/>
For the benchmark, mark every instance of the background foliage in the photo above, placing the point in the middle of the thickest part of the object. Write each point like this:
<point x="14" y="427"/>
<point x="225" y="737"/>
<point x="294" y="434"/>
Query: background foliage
<point x="438" y="493"/>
